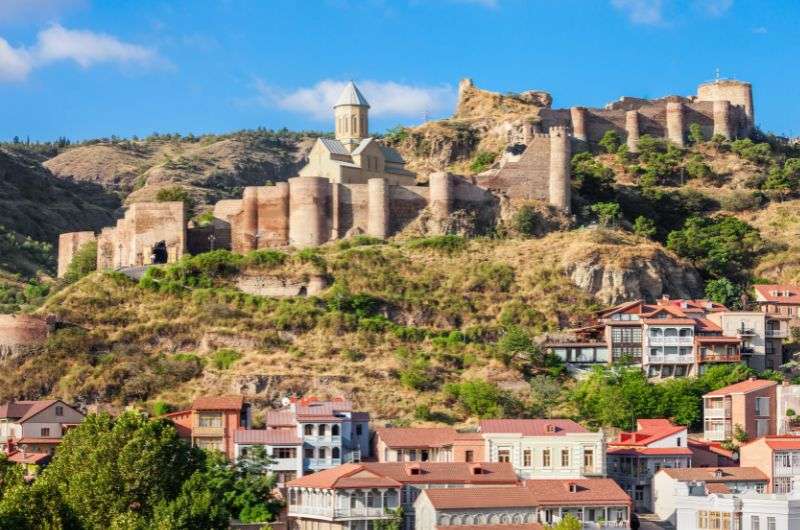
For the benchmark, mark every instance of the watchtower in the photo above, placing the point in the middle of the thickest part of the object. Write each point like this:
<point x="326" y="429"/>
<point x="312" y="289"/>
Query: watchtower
<point x="352" y="117"/>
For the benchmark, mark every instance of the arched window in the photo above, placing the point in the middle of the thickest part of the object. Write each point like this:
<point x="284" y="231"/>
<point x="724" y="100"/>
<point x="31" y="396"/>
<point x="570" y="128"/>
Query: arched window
<point x="322" y="452"/>
<point x="686" y="332"/>
<point x="308" y="430"/>
<point x="357" y="499"/>
<point x="670" y="332"/>
<point x="655" y="332"/>
<point x="321" y="430"/>
<point x="355" y="125"/>
<point x="504" y="519"/>
<point x="335" y="452"/>
<point x="335" y="430"/>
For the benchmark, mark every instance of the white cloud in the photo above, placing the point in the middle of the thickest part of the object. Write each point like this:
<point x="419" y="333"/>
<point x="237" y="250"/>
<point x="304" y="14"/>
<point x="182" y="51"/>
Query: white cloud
<point x="715" y="8"/>
<point x="649" y="12"/>
<point x="386" y="98"/>
<point x="760" y="30"/>
<point x="57" y="43"/>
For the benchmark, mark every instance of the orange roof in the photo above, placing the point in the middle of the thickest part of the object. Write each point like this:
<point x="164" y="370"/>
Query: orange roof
<point x="648" y="431"/>
<point x="717" y="487"/>
<point x="744" y="387"/>
<point x="523" y="526"/>
<point x="717" y="474"/>
<point x="400" y="437"/>
<point x="18" y="457"/>
<point x="475" y="498"/>
<point x="411" y="473"/>
<point x="788" y="293"/>
<point x="266" y="437"/>
<point x="704" y="324"/>
<point x="669" y="321"/>
<point x="649" y="451"/>
<point x="781" y="442"/>
<point x="538" y="427"/>
<point x="218" y="403"/>
<point x="707" y="445"/>
<point x="590" y="492"/>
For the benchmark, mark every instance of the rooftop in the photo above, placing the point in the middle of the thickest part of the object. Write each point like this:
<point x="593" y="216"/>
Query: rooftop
<point x="648" y="431"/>
<point x="351" y="95"/>
<point x="744" y="387"/>
<point x="475" y="498"/>
<point x="717" y="474"/>
<point x="778" y="293"/>
<point x="24" y="410"/>
<point x="538" y="427"/>
<point x="218" y="403"/>
<point x="598" y="491"/>
<point x="266" y="437"/>
<point x="409" y="437"/>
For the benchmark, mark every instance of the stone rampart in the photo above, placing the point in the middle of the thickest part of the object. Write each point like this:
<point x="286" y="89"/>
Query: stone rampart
<point x="19" y="333"/>
<point x="68" y="245"/>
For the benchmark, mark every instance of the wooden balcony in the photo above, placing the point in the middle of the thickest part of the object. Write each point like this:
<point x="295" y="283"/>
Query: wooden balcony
<point x="719" y="358"/>
<point x="208" y="432"/>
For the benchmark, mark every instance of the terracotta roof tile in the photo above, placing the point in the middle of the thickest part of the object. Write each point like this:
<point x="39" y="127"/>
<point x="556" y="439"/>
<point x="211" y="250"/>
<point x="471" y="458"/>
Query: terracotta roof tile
<point x="717" y="487"/>
<point x="717" y="474"/>
<point x="38" y="440"/>
<point x="778" y="442"/>
<point x="648" y="431"/>
<point x="590" y="492"/>
<point x="789" y="293"/>
<point x="280" y="418"/>
<point x="668" y="321"/>
<point x="18" y="457"/>
<point x="266" y="437"/>
<point x="24" y="410"/>
<point x="720" y="339"/>
<point x="401" y="437"/>
<point x="475" y="498"/>
<point x="218" y="403"/>
<point x="742" y="388"/>
<point x="649" y="451"/>
<point x="538" y="427"/>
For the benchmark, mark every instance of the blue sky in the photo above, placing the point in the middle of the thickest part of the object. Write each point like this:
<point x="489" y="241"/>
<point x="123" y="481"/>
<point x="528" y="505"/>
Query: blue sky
<point x="93" y="68"/>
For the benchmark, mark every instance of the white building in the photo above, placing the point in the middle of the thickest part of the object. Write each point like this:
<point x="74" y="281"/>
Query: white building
<point x="540" y="448"/>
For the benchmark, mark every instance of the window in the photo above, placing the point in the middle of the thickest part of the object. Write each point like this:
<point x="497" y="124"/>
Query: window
<point x="503" y="455"/>
<point x="322" y="453"/>
<point x="526" y="458"/>
<point x="59" y="410"/>
<point x="321" y="430"/>
<point x="358" y="429"/>
<point x="762" y="406"/>
<point x="469" y="456"/>
<point x="335" y="430"/>
<point x="210" y="419"/>
<point x="335" y="452"/>
<point x="284" y="452"/>
<point x="45" y="432"/>
<point x="588" y="458"/>
<point x="755" y="522"/>
<point x="770" y="523"/>
<point x="546" y="458"/>
<point x="308" y="430"/>
<point x="309" y="452"/>
<point x="762" y="428"/>
<point x="565" y="458"/>
<point x="678" y="441"/>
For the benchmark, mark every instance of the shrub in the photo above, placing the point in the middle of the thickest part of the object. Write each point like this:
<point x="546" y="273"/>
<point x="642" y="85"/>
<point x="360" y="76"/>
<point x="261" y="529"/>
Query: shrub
<point x="482" y="161"/>
<point x="645" y="227"/>
<point x="396" y="134"/>
<point x="176" y="194"/>
<point x="312" y="255"/>
<point x="759" y="153"/>
<point x="697" y="169"/>
<point x="608" y="213"/>
<point x="723" y="291"/>
<point x="594" y="180"/>
<point x="160" y="408"/>
<point x="526" y="220"/>
<point x="353" y="356"/>
<point x="225" y="358"/>
<point x="610" y="141"/>
<point x="478" y="398"/>
<point x="83" y="263"/>
<point x="447" y="243"/>
<point x="696" y="134"/>
<point x="418" y="375"/>
<point x="422" y="413"/>
<point x="268" y="258"/>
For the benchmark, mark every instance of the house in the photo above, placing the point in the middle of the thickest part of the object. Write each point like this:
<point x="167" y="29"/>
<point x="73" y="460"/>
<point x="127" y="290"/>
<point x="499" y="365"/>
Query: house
<point x="310" y="435"/>
<point x="776" y="456"/>
<point x="212" y="421"/>
<point x="697" y="509"/>
<point x="596" y="502"/>
<point x="788" y="408"/>
<point x="512" y="507"/>
<point x="355" y="495"/>
<point x="749" y="406"/>
<point x="779" y="300"/>
<point x="714" y="480"/>
<point x="706" y="453"/>
<point x="670" y="338"/>
<point x="761" y="333"/>
<point x="635" y="457"/>
<point x="37" y="427"/>
<point x="428" y="444"/>
<point x="540" y="448"/>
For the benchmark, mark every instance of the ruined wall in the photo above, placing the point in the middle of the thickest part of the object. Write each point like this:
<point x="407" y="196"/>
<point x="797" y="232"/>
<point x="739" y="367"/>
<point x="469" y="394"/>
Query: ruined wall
<point x="18" y="333"/>
<point x="68" y="246"/>
<point x="406" y="204"/>
<point x="152" y="223"/>
<point x="528" y="177"/>
<point x="105" y="249"/>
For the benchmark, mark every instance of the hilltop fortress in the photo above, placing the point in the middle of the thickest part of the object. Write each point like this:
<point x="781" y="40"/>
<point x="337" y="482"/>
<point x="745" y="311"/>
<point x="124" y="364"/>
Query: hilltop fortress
<point x="354" y="184"/>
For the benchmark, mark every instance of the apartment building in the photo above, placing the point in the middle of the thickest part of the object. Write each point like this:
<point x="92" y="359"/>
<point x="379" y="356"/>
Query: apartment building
<point x="433" y="444"/>
<point x="539" y="448"/>
<point x="780" y="300"/>
<point x="212" y="421"/>
<point x="354" y="496"/>
<point x="788" y="408"/>
<point x="749" y="405"/>
<point x="778" y="457"/>
<point x="667" y="484"/>
<point x="284" y="448"/>
<point x="36" y="427"/>
<point x="635" y="457"/>
<point x="761" y="335"/>
<point x="596" y="503"/>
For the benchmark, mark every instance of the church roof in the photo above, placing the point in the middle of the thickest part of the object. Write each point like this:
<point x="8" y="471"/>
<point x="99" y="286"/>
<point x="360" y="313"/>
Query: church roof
<point x="391" y="155"/>
<point x="361" y="146"/>
<point x="351" y="95"/>
<point x="334" y="146"/>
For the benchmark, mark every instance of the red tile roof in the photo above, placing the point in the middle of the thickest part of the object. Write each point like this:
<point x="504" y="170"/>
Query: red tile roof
<point x="476" y="498"/>
<point x="782" y="442"/>
<point x="648" y="431"/>
<point x="649" y="451"/>
<point x="703" y="324"/>
<point x="717" y="474"/>
<point x="531" y="427"/>
<point x="742" y="388"/>
<point x="401" y="437"/>
<point x="343" y="477"/>
<point x="266" y="437"/>
<point x="18" y="457"/>
<point x="707" y="445"/>
<point x="280" y="418"/>
<point x="24" y="410"/>
<point x="789" y="293"/>
<point x="38" y="440"/>
<point x="590" y="492"/>
<point x="414" y="473"/>
<point x="717" y="487"/>
<point x="218" y="403"/>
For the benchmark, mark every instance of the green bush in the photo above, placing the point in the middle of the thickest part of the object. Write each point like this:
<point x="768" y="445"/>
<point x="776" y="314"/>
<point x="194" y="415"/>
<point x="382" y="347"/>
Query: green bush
<point x="83" y="262"/>
<point x="176" y="194"/>
<point x="225" y="358"/>
<point x="526" y="221"/>
<point x="447" y="243"/>
<point x="610" y="141"/>
<point x="418" y="375"/>
<point x="696" y="134"/>
<point x="725" y="292"/>
<point x="760" y="153"/>
<point x="593" y="180"/>
<point x="265" y="258"/>
<point x="479" y="398"/>
<point x="645" y="227"/>
<point x="159" y="408"/>
<point x="482" y="161"/>
<point x="608" y="213"/>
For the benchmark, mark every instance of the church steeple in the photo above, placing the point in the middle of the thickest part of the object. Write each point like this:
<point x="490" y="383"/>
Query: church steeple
<point x="351" y="113"/>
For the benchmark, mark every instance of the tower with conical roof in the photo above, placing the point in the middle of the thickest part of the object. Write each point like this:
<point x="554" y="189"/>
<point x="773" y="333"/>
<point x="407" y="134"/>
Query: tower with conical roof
<point x="351" y="113"/>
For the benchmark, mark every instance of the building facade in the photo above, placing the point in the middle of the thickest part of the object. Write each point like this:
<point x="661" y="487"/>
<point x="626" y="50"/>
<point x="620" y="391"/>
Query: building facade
<point x="698" y="510"/>
<point x="761" y="335"/>
<point x="37" y="427"/>
<point x="212" y="422"/>
<point x="779" y="300"/>
<point x="778" y="457"/>
<point x="434" y="444"/>
<point x="749" y="406"/>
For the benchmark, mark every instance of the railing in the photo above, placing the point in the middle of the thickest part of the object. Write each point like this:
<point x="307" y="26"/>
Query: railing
<point x="312" y="438"/>
<point x="717" y="412"/>
<point x="671" y="341"/>
<point x="745" y="332"/>
<point x="777" y="333"/>
<point x="361" y="511"/>
<point x="670" y="359"/>
<point x="323" y="462"/>
<point x="719" y="358"/>
<point x="208" y="431"/>
<point x="331" y="513"/>
<point x="717" y="434"/>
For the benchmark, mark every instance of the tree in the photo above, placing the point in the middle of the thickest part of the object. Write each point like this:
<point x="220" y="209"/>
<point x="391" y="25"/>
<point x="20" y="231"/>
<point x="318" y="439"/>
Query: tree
<point x="608" y="213"/>
<point x="610" y="141"/>
<point x="10" y="475"/>
<point x="568" y="522"/>
<point x="176" y="194"/>
<point x="696" y="134"/>
<point x="526" y="220"/>
<point x="594" y="181"/>
<point x="546" y="391"/>
<point x="779" y="182"/>
<point x="725" y="292"/>
<point x="478" y="398"/>
<point x="83" y="262"/>
<point x="645" y="227"/>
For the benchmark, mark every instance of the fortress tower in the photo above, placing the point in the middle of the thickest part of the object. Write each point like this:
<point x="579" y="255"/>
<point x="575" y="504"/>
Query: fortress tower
<point x="351" y="114"/>
<point x="737" y="94"/>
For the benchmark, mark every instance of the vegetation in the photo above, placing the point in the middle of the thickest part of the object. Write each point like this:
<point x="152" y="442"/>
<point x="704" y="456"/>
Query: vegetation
<point x="176" y="194"/>
<point x="83" y="262"/>
<point x="482" y="161"/>
<point x="610" y="141"/>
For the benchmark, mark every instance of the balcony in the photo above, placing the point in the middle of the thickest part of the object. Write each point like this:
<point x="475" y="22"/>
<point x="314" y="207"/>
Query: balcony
<point x="717" y="413"/>
<point x="318" y="463"/>
<point x="315" y="439"/>
<point x="208" y="432"/>
<point x="327" y="512"/>
<point x="745" y="332"/>
<point x="670" y="359"/>
<point x="777" y="333"/>
<point x="671" y="341"/>
<point x="719" y="358"/>
<point x="717" y="435"/>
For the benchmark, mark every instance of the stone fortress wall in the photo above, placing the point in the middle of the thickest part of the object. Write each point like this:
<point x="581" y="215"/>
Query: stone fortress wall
<point x="19" y="332"/>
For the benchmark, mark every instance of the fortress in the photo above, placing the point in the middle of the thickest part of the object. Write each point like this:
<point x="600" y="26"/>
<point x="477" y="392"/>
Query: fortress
<point x="353" y="184"/>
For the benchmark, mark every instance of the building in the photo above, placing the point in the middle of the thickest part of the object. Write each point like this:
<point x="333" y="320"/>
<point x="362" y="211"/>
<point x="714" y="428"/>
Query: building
<point x="778" y="457"/>
<point x="749" y="406"/>
<point x="329" y="433"/>
<point x="707" y="453"/>
<point x="212" y="422"/>
<point x="433" y="444"/>
<point x="541" y="448"/>
<point x="671" y="338"/>
<point x="762" y="336"/>
<point x="353" y="495"/>
<point x="597" y="503"/>
<point x="283" y="446"/>
<point x="714" y="480"/>
<point x="635" y="457"/>
<point x="788" y="408"/>
<point x="779" y="300"/>
<point x="36" y="427"/>
<point x="696" y="509"/>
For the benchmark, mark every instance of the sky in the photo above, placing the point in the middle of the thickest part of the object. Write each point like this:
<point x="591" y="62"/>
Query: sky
<point x="95" y="68"/>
